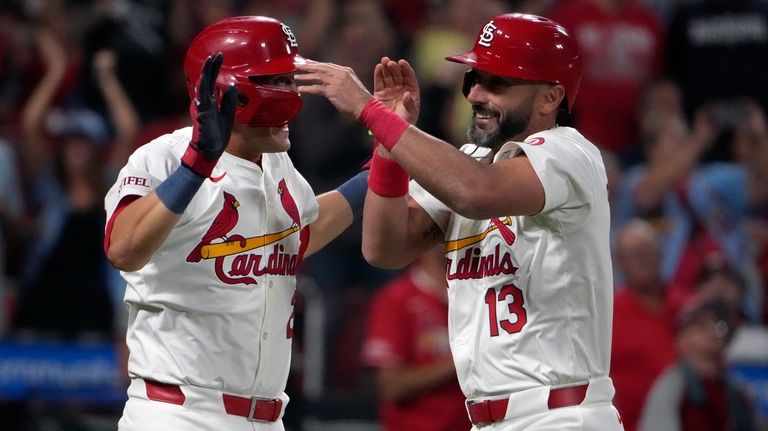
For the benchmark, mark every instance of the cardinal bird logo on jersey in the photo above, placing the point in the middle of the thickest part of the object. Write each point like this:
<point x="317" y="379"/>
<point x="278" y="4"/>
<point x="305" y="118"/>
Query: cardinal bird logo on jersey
<point x="235" y="260"/>
<point x="224" y="222"/>
<point x="288" y="203"/>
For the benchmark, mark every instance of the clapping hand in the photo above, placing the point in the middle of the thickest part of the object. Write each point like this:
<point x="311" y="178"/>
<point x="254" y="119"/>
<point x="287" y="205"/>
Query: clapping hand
<point x="396" y="86"/>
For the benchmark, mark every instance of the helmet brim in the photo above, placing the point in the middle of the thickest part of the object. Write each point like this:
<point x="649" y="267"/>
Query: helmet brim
<point x="469" y="58"/>
<point x="280" y="66"/>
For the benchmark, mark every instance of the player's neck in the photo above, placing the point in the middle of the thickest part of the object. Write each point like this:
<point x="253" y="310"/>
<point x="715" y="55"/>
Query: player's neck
<point x="537" y="124"/>
<point x="239" y="147"/>
<point x="244" y="152"/>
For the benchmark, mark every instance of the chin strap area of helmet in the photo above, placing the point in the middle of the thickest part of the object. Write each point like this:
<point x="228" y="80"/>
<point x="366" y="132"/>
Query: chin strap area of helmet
<point x="266" y="106"/>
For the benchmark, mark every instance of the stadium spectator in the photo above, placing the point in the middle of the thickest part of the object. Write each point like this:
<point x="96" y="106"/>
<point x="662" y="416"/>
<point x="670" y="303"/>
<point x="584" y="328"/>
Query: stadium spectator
<point x="622" y="42"/>
<point x="696" y="393"/>
<point x="407" y="345"/>
<point x="65" y="268"/>
<point x="656" y="189"/>
<point x="729" y="198"/>
<point x="643" y="320"/>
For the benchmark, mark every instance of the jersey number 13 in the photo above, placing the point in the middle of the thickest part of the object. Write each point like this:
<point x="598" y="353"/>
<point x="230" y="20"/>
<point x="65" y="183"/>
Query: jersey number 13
<point x="515" y="307"/>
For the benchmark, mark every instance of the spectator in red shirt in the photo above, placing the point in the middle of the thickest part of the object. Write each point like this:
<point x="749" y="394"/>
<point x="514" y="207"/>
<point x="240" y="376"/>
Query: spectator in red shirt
<point x="642" y="323"/>
<point x="697" y="393"/>
<point x="407" y="344"/>
<point x="622" y="45"/>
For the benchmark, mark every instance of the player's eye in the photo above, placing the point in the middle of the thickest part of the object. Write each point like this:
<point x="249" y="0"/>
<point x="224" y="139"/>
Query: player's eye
<point x="497" y="83"/>
<point x="281" y="81"/>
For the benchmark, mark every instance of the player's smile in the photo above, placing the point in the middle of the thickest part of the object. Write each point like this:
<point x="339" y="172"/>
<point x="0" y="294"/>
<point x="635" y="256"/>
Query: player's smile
<point x="485" y="119"/>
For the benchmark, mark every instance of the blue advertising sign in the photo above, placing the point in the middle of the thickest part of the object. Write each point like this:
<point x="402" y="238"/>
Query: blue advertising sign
<point x="66" y="372"/>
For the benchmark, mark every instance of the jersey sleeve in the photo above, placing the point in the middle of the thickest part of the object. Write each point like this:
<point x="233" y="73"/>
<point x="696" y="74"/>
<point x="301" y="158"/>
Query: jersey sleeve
<point x="571" y="172"/>
<point x="437" y="210"/>
<point x="311" y="209"/>
<point x="147" y="167"/>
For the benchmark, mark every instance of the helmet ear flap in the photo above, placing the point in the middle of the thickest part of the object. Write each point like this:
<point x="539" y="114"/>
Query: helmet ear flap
<point x="470" y="78"/>
<point x="265" y="106"/>
<point x="248" y="102"/>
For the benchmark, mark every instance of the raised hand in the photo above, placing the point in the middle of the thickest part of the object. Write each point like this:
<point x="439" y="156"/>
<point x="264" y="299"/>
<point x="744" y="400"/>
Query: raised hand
<point x="211" y="125"/>
<point x="338" y="84"/>
<point x="387" y="115"/>
<point x="395" y="85"/>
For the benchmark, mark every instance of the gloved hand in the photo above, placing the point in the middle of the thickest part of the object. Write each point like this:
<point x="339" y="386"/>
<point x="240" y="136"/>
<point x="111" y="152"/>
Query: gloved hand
<point x="211" y="126"/>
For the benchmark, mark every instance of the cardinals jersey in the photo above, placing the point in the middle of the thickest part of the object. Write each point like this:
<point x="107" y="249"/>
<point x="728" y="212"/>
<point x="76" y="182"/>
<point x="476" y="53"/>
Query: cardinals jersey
<point x="214" y="305"/>
<point x="531" y="296"/>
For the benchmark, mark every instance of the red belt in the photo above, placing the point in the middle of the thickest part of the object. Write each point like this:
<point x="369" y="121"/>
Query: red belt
<point x="253" y="408"/>
<point x="495" y="410"/>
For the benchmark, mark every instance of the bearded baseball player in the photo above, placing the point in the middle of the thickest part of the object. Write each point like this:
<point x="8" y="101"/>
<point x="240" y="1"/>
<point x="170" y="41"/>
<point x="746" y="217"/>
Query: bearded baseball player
<point x="522" y="213"/>
<point x="209" y="226"/>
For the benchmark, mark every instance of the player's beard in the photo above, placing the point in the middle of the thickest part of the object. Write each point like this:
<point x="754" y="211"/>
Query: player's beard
<point x="515" y="122"/>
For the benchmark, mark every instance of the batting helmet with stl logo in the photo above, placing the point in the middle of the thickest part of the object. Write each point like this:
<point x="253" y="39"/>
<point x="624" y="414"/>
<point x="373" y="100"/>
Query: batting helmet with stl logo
<point x="526" y="47"/>
<point x="252" y="46"/>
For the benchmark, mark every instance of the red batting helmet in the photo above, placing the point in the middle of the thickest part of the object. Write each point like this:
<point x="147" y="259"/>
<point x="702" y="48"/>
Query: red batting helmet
<point x="252" y="46"/>
<point x="526" y="47"/>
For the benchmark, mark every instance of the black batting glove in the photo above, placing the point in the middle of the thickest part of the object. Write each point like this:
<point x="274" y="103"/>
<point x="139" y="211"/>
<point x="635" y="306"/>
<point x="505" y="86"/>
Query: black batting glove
<point x="211" y="125"/>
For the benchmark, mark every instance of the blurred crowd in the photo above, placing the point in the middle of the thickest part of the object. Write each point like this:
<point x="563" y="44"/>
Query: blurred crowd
<point x="674" y="93"/>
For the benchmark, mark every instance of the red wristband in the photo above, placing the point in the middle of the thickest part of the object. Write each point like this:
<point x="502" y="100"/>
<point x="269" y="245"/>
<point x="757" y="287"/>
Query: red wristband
<point x="387" y="178"/>
<point x="196" y="163"/>
<point x="385" y="125"/>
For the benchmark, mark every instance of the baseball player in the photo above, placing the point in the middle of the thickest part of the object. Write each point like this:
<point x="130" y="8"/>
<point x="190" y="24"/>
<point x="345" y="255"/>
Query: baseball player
<point x="209" y="225"/>
<point x="522" y="213"/>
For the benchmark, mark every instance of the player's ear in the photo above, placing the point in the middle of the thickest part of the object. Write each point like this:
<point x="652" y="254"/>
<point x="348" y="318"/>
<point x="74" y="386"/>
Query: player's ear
<point x="550" y="98"/>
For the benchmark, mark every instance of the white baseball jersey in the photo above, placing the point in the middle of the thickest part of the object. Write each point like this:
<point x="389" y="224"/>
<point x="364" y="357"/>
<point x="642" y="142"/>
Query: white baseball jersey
<point x="531" y="297"/>
<point x="214" y="305"/>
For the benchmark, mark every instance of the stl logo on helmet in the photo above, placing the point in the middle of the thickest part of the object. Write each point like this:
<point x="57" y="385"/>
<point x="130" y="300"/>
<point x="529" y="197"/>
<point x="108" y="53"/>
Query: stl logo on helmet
<point x="290" y="36"/>
<point x="486" y="37"/>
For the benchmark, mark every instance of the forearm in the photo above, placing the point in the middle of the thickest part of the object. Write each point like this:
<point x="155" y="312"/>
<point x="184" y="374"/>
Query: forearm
<point x="469" y="187"/>
<point x="664" y="174"/>
<point x="386" y="242"/>
<point x="393" y="237"/>
<point x="138" y="232"/>
<point x="338" y="210"/>
<point x="40" y="100"/>
<point x="392" y="222"/>
<point x="652" y="188"/>
<point x="122" y="113"/>
<point x="137" y="235"/>
<point x="335" y="216"/>
<point x="448" y="174"/>
<point x="32" y="115"/>
<point x="397" y="384"/>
